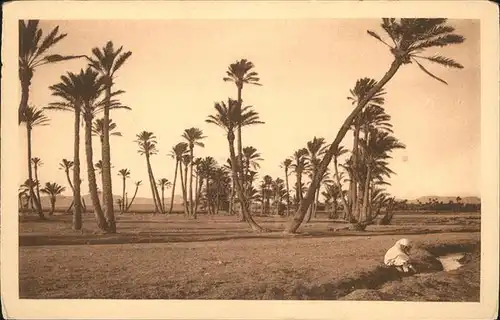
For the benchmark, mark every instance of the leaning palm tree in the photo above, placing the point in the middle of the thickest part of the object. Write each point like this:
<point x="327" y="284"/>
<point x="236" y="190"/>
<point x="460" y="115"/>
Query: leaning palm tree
<point x="410" y="38"/>
<point x="137" y="184"/>
<point x="33" y="53"/>
<point x="37" y="162"/>
<point x="67" y="165"/>
<point x="53" y="190"/>
<point x="124" y="173"/>
<point x="177" y="153"/>
<point x="164" y="184"/>
<point x="240" y="72"/>
<point x="33" y="117"/>
<point x="193" y="137"/>
<point x="69" y="91"/>
<point x="107" y="61"/>
<point x="147" y="147"/>
<point x="286" y="166"/>
<point x="229" y="117"/>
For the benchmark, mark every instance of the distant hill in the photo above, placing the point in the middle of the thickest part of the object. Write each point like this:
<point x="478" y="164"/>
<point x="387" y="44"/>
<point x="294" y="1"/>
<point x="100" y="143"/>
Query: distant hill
<point x="465" y="200"/>
<point x="65" y="201"/>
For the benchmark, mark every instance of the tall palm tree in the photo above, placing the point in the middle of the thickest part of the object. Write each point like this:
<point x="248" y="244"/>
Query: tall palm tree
<point x="53" y="190"/>
<point x="69" y="91"/>
<point x="137" y="184"/>
<point x="107" y="61"/>
<point x="241" y="73"/>
<point x="34" y="53"/>
<point x="164" y="184"/>
<point x="33" y="117"/>
<point x="37" y="162"/>
<point x="147" y="147"/>
<point x="229" y="117"/>
<point x="286" y="166"/>
<point x="410" y="37"/>
<point x="124" y="173"/>
<point x="177" y="153"/>
<point x="193" y="137"/>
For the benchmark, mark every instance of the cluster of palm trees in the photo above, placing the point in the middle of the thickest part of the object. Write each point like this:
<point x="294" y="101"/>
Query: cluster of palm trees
<point x="203" y="181"/>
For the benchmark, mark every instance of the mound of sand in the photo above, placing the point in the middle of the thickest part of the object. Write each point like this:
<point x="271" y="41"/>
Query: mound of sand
<point x="424" y="261"/>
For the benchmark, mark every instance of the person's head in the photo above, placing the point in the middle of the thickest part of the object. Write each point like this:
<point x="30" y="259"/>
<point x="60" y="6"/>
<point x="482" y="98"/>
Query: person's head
<point x="404" y="244"/>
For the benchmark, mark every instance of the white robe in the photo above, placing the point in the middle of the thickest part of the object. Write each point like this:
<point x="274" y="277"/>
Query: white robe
<point x="395" y="256"/>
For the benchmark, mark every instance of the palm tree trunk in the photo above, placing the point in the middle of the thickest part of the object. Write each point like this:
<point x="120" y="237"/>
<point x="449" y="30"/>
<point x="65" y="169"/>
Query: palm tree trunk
<point x="101" y="219"/>
<point x="231" y="198"/>
<point x="353" y="185"/>
<point x="198" y="192"/>
<point x="154" y="191"/>
<point x="52" y="205"/>
<point x="173" y="187"/>
<point x="162" y="199"/>
<point x="25" y="90"/>
<point x="287" y="195"/>
<point x="364" y="211"/>
<point x="239" y="188"/>
<point x="106" y="166"/>
<point x="191" y="204"/>
<point x="183" y="186"/>
<point x="133" y="198"/>
<point x="209" y="195"/>
<point x="337" y="177"/>
<point x="122" y="206"/>
<point x="37" y="185"/>
<point x="36" y="200"/>
<point x="323" y="166"/>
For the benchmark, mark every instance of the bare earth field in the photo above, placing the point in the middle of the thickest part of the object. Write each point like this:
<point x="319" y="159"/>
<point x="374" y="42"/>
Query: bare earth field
<point x="170" y="257"/>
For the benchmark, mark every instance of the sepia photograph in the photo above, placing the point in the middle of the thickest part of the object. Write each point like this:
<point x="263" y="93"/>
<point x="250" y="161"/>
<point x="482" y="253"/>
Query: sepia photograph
<point x="236" y="152"/>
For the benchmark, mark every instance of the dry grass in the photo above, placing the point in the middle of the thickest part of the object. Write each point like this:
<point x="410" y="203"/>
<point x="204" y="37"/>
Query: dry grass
<point x="212" y="258"/>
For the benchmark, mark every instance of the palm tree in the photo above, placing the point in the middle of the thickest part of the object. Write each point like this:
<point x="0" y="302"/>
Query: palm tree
<point x="107" y="61"/>
<point x="53" y="190"/>
<point x="137" y="184"/>
<point x="164" y="184"/>
<point x="229" y="117"/>
<point x="124" y="173"/>
<point x="299" y="165"/>
<point x="33" y="117"/>
<point x="69" y="90"/>
<point x="315" y="149"/>
<point x="410" y="37"/>
<point x="193" y="137"/>
<point x="98" y="129"/>
<point x="33" y="54"/>
<point x="147" y="146"/>
<point x="67" y="165"/>
<point x="207" y="168"/>
<point x="37" y="162"/>
<point x="286" y="166"/>
<point x="177" y="153"/>
<point x="241" y="73"/>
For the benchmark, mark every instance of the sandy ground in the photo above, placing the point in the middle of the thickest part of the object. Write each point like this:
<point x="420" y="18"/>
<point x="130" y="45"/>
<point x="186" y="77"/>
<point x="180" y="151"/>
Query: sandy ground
<point x="217" y="258"/>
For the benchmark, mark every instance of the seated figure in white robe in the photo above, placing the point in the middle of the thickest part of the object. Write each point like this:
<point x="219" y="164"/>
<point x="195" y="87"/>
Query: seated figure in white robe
<point x="398" y="256"/>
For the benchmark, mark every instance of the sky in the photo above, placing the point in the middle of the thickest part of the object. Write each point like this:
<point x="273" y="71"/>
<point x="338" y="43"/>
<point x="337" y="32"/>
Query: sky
<point x="306" y="66"/>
